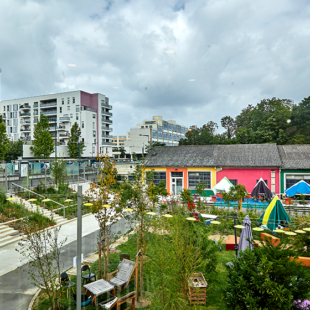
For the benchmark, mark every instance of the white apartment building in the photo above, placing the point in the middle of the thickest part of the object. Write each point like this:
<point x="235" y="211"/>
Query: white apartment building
<point x="154" y="130"/>
<point x="92" y="112"/>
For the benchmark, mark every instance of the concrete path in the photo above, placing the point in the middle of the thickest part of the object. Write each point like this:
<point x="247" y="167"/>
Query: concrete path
<point x="16" y="290"/>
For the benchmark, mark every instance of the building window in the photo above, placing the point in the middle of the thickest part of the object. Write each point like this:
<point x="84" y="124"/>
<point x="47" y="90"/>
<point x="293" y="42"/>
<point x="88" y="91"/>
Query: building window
<point x="77" y="108"/>
<point x="264" y="181"/>
<point x="169" y="127"/>
<point x="68" y="100"/>
<point x="94" y="133"/>
<point x="234" y="182"/>
<point x="157" y="177"/>
<point x="142" y="126"/>
<point x="3" y="108"/>
<point x="14" y="114"/>
<point x="73" y="99"/>
<point x="62" y="101"/>
<point x="82" y="124"/>
<point x="15" y="121"/>
<point x="77" y="117"/>
<point x="60" y="109"/>
<point x="194" y="177"/>
<point x="174" y="128"/>
<point x="93" y="125"/>
<point x="15" y="107"/>
<point x="35" y="104"/>
<point x="71" y="115"/>
<point x="94" y="115"/>
<point x="68" y="108"/>
<point x="291" y="179"/>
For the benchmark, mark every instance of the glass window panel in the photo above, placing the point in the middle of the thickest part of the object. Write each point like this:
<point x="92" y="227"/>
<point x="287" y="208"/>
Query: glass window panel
<point x="176" y="174"/>
<point x="195" y="177"/>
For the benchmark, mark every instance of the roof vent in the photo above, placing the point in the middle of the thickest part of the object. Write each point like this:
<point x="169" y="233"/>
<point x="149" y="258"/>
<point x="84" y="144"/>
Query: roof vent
<point x="154" y="154"/>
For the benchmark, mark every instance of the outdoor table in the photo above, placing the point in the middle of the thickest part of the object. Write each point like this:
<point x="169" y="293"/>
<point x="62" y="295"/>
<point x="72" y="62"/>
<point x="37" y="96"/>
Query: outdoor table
<point x="209" y="216"/>
<point x="97" y="288"/>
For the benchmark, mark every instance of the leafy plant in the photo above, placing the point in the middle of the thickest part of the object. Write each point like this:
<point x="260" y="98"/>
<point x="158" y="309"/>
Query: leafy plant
<point x="75" y="146"/>
<point x="59" y="172"/>
<point x="266" y="278"/>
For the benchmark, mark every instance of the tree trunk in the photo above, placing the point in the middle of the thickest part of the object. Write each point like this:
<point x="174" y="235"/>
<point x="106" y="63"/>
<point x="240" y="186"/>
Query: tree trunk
<point x="240" y="204"/>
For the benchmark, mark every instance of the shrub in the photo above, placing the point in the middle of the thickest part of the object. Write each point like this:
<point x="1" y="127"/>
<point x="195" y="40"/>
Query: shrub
<point x="266" y="278"/>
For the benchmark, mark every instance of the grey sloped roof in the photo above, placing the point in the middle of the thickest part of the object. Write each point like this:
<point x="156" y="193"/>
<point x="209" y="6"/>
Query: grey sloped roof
<point x="248" y="155"/>
<point x="295" y="156"/>
<point x="235" y="155"/>
<point x="182" y="156"/>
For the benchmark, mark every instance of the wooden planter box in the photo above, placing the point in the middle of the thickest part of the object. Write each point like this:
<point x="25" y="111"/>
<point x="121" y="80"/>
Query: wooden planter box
<point x="197" y="288"/>
<point x="274" y="240"/>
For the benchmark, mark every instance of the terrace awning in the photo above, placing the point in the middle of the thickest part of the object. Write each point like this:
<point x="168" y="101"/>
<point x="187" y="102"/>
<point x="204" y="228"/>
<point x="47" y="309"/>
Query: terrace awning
<point x="223" y="186"/>
<point x="301" y="187"/>
<point x="261" y="188"/>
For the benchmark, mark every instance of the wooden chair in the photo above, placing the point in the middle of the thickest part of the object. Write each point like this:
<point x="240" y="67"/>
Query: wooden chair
<point x="109" y="304"/>
<point x="131" y="296"/>
<point x="123" y="274"/>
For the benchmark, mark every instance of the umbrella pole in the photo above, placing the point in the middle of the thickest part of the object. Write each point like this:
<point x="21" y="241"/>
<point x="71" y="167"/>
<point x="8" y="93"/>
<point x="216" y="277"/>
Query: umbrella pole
<point x="236" y="246"/>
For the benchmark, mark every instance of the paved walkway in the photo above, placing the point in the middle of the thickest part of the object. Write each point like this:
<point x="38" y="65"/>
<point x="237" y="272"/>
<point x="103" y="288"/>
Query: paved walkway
<point x="16" y="290"/>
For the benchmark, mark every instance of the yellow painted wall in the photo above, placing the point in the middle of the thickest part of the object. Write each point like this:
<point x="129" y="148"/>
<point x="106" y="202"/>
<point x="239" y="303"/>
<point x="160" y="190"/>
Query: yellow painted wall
<point x="212" y="170"/>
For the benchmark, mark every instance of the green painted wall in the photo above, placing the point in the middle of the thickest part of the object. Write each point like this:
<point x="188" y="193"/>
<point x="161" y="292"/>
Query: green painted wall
<point x="289" y="171"/>
<point x="207" y="192"/>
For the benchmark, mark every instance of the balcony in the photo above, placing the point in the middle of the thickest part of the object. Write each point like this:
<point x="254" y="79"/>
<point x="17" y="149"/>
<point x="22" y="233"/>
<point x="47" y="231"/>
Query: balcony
<point x="52" y="120"/>
<point x="62" y="143"/>
<point x="61" y="127"/>
<point x="106" y="113"/>
<point x="25" y="129"/>
<point x="25" y="122"/>
<point x="64" y="135"/>
<point x="106" y="128"/>
<point x="106" y="121"/>
<point x="108" y="143"/>
<point x="51" y="112"/>
<point x="24" y="114"/>
<point x="3" y="115"/>
<point x="64" y="119"/>
<point x="105" y="105"/>
<point x="52" y="128"/>
<point x="25" y="106"/>
<point x="107" y="136"/>
<point x="25" y="138"/>
<point x="48" y="104"/>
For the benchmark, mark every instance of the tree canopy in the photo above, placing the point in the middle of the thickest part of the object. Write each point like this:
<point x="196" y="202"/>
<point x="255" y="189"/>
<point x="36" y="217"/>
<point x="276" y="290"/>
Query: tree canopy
<point x="43" y="144"/>
<point x="4" y="141"/>
<point x="73" y="143"/>
<point x="272" y="120"/>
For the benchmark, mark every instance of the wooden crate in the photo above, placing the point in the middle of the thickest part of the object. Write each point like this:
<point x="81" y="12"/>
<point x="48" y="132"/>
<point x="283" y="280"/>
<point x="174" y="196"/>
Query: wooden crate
<point x="197" y="288"/>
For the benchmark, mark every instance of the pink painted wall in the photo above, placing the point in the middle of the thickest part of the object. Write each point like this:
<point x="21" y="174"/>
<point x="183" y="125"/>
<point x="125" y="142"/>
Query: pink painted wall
<point x="91" y="101"/>
<point x="248" y="177"/>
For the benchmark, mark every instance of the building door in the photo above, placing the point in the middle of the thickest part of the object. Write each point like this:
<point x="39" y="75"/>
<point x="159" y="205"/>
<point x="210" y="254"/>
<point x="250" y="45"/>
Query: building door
<point x="176" y="183"/>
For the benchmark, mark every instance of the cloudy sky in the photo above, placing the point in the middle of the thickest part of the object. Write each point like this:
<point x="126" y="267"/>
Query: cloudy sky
<point x="192" y="61"/>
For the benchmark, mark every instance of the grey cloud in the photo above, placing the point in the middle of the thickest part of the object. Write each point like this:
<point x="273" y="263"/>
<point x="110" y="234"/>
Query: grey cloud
<point x="238" y="52"/>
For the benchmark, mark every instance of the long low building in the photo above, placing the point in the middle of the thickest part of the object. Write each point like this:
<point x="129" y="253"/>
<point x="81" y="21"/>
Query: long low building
<point x="183" y="167"/>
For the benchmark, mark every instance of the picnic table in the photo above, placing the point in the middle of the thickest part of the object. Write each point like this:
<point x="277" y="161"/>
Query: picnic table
<point x="97" y="288"/>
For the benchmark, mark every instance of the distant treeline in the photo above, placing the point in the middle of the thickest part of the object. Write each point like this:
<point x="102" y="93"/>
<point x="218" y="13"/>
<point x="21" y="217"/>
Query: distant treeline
<point x="270" y="121"/>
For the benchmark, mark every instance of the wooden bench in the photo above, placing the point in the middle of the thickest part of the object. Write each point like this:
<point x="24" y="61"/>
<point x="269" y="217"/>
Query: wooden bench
<point x="305" y="261"/>
<point x="272" y="239"/>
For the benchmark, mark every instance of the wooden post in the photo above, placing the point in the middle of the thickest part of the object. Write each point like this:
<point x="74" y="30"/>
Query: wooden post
<point x="141" y="274"/>
<point x="137" y="276"/>
<point x="99" y="251"/>
<point x="108" y="253"/>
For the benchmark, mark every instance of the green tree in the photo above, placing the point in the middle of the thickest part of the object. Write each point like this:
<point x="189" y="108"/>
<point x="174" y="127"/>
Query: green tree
<point x="59" y="172"/>
<point x="43" y="144"/>
<point x="73" y="142"/>
<point x="123" y="152"/>
<point x="204" y="135"/>
<point x="15" y="150"/>
<point x="153" y="144"/>
<point x="266" y="278"/>
<point x="229" y="124"/>
<point x="4" y="141"/>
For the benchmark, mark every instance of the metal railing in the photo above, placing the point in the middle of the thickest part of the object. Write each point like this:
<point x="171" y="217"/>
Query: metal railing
<point x="48" y="104"/>
<point x="49" y="112"/>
